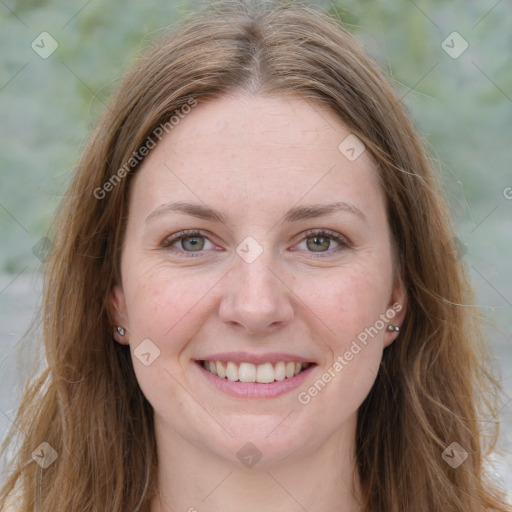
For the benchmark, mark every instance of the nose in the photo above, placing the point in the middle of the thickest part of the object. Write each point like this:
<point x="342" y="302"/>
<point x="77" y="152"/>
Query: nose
<point x="255" y="298"/>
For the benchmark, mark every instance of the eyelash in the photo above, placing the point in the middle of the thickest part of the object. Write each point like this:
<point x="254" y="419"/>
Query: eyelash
<point x="344" y="244"/>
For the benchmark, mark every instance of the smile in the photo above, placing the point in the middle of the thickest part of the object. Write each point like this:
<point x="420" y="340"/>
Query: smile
<point x="265" y="373"/>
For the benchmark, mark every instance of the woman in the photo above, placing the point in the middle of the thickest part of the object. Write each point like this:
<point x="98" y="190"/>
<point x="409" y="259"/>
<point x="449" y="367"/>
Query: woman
<point x="252" y="302"/>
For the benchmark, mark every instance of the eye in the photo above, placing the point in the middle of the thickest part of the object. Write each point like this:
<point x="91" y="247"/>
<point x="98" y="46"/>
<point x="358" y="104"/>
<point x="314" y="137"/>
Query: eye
<point x="319" y="241"/>
<point x="188" y="242"/>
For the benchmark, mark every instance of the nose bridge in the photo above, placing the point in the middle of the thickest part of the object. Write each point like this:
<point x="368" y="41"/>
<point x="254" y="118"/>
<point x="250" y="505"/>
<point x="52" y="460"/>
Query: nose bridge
<point x="254" y="296"/>
<point x="257" y="278"/>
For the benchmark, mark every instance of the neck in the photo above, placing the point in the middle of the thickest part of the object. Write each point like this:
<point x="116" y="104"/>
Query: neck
<point x="194" y="480"/>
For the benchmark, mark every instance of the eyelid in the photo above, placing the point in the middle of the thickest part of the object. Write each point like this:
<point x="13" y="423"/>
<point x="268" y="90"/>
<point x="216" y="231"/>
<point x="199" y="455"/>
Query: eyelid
<point x="343" y="242"/>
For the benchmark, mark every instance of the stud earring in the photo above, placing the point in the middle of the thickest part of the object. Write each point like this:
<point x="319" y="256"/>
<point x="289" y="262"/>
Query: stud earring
<point x="392" y="328"/>
<point x="120" y="330"/>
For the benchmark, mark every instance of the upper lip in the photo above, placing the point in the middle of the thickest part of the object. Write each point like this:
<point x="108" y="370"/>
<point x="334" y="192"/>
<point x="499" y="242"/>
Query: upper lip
<point x="246" y="357"/>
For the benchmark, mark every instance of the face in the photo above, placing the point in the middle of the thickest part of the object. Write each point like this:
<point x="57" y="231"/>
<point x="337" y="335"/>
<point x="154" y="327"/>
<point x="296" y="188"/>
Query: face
<point x="260" y="271"/>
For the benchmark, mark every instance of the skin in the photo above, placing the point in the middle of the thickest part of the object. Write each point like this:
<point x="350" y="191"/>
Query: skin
<point x="254" y="158"/>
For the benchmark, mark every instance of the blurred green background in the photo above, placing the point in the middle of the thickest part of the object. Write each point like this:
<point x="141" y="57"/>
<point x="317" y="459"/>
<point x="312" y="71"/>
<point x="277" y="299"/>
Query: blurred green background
<point x="462" y="105"/>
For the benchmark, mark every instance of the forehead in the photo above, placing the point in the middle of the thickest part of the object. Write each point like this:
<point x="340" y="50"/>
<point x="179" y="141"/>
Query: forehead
<point x="260" y="152"/>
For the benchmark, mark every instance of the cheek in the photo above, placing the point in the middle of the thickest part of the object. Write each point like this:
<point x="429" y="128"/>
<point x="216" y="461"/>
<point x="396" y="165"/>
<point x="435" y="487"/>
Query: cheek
<point x="351" y="305"/>
<point x="165" y="308"/>
<point x="349" y="300"/>
<point x="162" y="303"/>
<point x="351" y="310"/>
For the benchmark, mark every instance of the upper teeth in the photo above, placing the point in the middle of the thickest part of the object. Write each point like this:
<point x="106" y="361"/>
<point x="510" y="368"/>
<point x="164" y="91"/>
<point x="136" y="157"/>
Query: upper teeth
<point x="248" y="372"/>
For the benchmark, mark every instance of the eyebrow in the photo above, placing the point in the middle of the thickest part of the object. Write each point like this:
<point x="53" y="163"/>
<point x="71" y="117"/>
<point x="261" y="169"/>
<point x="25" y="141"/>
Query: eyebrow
<point x="293" y="215"/>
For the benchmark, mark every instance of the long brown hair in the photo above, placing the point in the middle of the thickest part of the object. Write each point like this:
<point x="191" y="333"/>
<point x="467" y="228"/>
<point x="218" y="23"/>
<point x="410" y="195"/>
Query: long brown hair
<point x="433" y="384"/>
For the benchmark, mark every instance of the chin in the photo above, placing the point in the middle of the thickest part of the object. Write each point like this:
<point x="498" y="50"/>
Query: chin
<point x="264" y="439"/>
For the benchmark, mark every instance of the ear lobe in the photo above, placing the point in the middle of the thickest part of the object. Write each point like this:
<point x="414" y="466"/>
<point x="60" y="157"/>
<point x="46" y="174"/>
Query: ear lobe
<point x="117" y="310"/>
<point x="397" y="304"/>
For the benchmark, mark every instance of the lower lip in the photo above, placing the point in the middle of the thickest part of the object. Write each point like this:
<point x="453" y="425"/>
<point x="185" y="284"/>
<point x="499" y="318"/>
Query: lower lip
<point x="256" y="389"/>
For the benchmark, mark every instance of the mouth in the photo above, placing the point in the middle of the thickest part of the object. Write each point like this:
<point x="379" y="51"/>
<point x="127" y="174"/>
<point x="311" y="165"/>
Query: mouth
<point x="265" y="373"/>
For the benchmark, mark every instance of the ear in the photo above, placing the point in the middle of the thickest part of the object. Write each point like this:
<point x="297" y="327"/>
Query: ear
<point x="396" y="311"/>
<point x="117" y="307"/>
